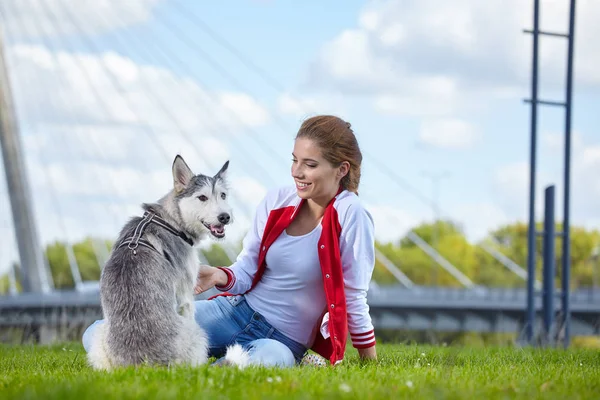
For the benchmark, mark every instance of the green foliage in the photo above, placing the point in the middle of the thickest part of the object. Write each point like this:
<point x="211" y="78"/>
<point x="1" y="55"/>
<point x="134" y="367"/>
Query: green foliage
<point x="216" y="256"/>
<point x="85" y="256"/>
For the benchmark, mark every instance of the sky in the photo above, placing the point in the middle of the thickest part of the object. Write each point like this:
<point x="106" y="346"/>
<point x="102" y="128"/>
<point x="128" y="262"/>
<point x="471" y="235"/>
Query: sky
<point x="107" y="93"/>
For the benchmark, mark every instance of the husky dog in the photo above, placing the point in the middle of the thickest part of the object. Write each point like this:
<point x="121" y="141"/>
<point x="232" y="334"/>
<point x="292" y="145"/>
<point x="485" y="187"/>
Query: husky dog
<point x="147" y="285"/>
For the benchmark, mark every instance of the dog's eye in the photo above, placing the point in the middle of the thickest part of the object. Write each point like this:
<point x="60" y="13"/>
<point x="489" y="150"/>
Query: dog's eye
<point x="202" y="198"/>
<point x="223" y="196"/>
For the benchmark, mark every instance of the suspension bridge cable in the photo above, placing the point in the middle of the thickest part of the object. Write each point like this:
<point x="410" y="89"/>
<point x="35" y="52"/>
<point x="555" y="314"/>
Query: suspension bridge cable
<point x="192" y="16"/>
<point x="99" y="99"/>
<point x="195" y="47"/>
<point x="378" y="256"/>
<point x="73" y="265"/>
<point x="266" y="77"/>
<point x="214" y="64"/>
<point x="114" y="82"/>
<point x="183" y="132"/>
<point x="165" y="109"/>
<point x="72" y="260"/>
<point x="100" y="250"/>
<point x="177" y="33"/>
<point x="156" y="98"/>
<point x="379" y="164"/>
<point x="152" y="94"/>
<point x="272" y="82"/>
<point x="168" y="58"/>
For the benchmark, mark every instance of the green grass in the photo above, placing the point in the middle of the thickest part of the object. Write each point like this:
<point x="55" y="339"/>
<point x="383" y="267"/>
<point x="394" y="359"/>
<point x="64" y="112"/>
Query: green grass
<point x="403" y="371"/>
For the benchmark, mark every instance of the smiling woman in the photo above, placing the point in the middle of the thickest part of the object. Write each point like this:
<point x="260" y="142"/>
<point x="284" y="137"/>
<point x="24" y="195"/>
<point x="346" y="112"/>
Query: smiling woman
<point x="302" y="277"/>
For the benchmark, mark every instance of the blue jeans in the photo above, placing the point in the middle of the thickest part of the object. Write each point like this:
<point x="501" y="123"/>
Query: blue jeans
<point x="228" y="320"/>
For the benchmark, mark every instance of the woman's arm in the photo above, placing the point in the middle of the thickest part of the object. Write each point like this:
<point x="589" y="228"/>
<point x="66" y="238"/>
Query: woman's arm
<point x="238" y="277"/>
<point x="357" y="250"/>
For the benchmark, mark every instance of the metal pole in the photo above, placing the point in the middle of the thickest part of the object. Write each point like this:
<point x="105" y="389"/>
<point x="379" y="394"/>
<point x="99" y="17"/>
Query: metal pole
<point x="549" y="263"/>
<point x="530" y="314"/>
<point x="566" y="243"/>
<point x="33" y="271"/>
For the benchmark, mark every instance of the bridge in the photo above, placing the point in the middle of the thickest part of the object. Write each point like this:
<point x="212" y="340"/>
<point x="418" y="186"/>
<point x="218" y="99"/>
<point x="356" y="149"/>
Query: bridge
<point x="96" y="123"/>
<point x="484" y="310"/>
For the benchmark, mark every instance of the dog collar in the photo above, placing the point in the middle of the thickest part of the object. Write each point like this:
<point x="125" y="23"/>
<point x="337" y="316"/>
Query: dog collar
<point x="161" y="222"/>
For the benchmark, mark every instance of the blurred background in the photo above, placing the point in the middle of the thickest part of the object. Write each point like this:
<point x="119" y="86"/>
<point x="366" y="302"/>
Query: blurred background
<point x="103" y="94"/>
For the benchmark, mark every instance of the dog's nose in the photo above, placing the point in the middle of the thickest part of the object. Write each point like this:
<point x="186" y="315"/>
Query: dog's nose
<point x="224" y="218"/>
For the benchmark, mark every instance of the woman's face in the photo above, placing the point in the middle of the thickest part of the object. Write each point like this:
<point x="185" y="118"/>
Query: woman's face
<point x="314" y="176"/>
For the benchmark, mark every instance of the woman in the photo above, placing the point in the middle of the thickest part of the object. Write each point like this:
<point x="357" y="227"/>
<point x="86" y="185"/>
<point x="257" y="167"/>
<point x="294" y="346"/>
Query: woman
<point x="302" y="277"/>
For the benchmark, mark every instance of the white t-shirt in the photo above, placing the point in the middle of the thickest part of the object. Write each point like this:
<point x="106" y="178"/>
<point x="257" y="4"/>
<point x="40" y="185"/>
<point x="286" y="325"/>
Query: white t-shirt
<point x="290" y="294"/>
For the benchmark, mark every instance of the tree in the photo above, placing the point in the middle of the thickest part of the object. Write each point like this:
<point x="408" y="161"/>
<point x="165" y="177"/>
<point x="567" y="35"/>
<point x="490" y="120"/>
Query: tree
<point x="513" y="243"/>
<point x="85" y="257"/>
<point x="452" y="245"/>
<point x="216" y="256"/>
<point x="470" y="258"/>
<point x="476" y="263"/>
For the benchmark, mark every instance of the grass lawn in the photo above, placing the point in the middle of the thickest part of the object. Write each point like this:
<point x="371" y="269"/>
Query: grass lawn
<point x="403" y="371"/>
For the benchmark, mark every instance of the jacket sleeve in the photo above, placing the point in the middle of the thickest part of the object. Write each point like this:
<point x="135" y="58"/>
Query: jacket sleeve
<point x="357" y="251"/>
<point x="241" y="273"/>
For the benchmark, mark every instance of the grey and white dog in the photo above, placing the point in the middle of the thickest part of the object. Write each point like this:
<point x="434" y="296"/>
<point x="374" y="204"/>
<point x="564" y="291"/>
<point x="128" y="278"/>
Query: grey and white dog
<point x="147" y="285"/>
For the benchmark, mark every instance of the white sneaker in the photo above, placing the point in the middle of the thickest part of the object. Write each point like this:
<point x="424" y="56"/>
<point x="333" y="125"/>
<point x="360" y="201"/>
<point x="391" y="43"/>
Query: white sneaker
<point x="314" y="360"/>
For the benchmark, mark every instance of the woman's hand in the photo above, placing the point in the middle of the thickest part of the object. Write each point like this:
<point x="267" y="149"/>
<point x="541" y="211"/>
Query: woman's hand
<point x="208" y="277"/>
<point x="370" y="353"/>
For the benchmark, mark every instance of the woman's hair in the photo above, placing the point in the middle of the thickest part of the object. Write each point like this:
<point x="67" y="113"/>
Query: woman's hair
<point x="337" y="142"/>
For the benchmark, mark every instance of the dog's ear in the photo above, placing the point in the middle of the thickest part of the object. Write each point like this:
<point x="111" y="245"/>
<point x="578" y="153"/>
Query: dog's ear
<point x="222" y="174"/>
<point x="182" y="174"/>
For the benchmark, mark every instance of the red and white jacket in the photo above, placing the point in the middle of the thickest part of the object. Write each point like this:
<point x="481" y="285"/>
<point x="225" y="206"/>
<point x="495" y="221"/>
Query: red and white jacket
<point x="347" y="256"/>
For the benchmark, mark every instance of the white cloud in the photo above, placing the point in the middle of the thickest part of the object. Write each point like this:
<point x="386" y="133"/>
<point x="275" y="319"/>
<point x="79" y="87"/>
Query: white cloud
<point x="432" y="57"/>
<point x="478" y="224"/>
<point x="245" y="107"/>
<point x="587" y="165"/>
<point x="250" y="190"/>
<point x="348" y="61"/>
<point x="33" y="19"/>
<point x="449" y="133"/>
<point x="306" y="106"/>
<point x="391" y="223"/>
<point x="511" y="188"/>
<point x="511" y="184"/>
<point x="249" y="193"/>
<point x="423" y="96"/>
<point x="555" y="141"/>
<point x="147" y="97"/>
<point x="103" y="159"/>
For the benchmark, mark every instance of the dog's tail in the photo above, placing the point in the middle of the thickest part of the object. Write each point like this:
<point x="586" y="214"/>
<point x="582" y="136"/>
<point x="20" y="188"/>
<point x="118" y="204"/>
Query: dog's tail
<point x="98" y="356"/>
<point x="236" y="355"/>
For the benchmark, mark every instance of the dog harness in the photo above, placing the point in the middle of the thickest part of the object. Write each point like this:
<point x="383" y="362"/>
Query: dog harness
<point x="135" y="240"/>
